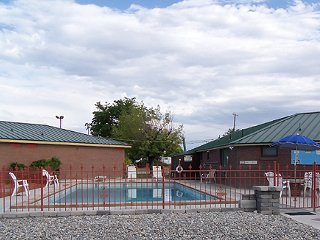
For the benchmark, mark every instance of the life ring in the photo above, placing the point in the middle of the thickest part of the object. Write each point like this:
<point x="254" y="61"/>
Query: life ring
<point x="179" y="194"/>
<point x="179" y="169"/>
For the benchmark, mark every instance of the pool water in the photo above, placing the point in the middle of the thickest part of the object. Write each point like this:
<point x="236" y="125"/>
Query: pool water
<point x="132" y="192"/>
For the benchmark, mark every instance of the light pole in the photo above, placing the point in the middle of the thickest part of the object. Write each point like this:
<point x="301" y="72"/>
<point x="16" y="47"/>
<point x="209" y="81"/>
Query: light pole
<point x="60" y="119"/>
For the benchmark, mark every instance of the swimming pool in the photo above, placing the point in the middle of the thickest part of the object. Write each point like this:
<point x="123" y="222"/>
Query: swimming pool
<point x="129" y="193"/>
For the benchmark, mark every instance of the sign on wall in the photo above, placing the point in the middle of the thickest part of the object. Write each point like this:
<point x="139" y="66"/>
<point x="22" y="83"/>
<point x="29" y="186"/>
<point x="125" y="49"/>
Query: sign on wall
<point x="249" y="162"/>
<point x="306" y="157"/>
<point x="187" y="158"/>
<point x="166" y="160"/>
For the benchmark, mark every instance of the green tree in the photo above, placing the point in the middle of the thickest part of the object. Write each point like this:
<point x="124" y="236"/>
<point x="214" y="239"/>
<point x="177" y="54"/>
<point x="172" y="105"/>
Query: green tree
<point x="230" y="131"/>
<point x="107" y="116"/>
<point x="150" y="133"/>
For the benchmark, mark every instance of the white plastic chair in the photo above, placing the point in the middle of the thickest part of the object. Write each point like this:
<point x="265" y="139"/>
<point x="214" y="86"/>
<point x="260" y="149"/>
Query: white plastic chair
<point x="308" y="181"/>
<point x="208" y="176"/>
<point x="132" y="172"/>
<point x="18" y="184"/>
<point x="285" y="184"/>
<point x="50" y="178"/>
<point x="156" y="172"/>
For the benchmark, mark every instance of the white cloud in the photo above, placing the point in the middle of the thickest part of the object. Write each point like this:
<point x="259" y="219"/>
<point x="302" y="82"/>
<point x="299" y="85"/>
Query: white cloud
<point x="199" y="59"/>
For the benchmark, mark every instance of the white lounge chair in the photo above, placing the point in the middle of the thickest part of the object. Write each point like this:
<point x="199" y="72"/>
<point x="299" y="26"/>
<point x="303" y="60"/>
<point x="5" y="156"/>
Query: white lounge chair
<point x="101" y="179"/>
<point x="132" y="172"/>
<point x="18" y="184"/>
<point x="308" y="181"/>
<point x="285" y="184"/>
<point x="50" y="178"/>
<point x="208" y="176"/>
<point x="156" y="172"/>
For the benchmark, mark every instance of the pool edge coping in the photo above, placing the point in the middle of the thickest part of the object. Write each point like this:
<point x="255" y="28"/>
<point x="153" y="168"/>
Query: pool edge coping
<point x="112" y="212"/>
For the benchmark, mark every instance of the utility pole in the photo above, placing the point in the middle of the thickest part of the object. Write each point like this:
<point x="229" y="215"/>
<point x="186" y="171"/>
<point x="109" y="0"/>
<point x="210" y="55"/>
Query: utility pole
<point x="60" y="119"/>
<point x="184" y="144"/>
<point x="235" y="115"/>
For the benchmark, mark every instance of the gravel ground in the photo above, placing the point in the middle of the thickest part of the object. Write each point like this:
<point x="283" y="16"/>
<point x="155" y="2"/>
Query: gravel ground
<point x="204" y="225"/>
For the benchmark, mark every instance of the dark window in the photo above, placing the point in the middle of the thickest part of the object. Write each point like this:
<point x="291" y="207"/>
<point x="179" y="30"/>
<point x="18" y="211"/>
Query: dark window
<point x="224" y="158"/>
<point x="208" y="155"/>
<point x="269" y="152"/>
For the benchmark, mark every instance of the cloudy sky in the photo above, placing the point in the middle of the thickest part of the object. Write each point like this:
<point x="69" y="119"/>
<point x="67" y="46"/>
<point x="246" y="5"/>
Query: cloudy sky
<point x="202" y="60"/>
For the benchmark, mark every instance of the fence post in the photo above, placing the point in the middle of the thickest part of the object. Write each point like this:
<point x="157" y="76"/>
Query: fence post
<point x="92" y="177"/>
<point x="314" y="186"/>
<point x="41" y="184"/>
<point x="2" y="187"/>
<point x="162" y="170"/>
<point x="275" y="174"/>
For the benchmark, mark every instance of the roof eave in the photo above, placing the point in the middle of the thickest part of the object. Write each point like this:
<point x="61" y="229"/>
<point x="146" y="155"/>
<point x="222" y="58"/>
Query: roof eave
<point x="64" y="143"/>
<point x="233" y="145"/>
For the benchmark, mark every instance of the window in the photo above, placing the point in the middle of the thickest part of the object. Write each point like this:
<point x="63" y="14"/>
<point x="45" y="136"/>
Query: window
<point x="269" y="151"/>
<point x="224" y="158"/>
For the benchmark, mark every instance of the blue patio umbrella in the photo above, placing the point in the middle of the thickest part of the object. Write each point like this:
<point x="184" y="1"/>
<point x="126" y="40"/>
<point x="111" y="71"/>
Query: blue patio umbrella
<point x="297" y="142"/>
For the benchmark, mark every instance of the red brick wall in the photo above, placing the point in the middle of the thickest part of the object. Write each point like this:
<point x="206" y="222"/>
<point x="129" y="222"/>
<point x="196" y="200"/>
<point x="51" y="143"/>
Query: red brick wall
<point x="253" y="153"/>
<point x="73" y="156"/>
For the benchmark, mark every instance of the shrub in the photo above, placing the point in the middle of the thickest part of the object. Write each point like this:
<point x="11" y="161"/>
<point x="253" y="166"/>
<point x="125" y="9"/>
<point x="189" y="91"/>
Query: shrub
<point x="16" y="166"/>
<point x="54" y="163"/>
<point x="128" y="161"/>
<point x="42" y="163"/>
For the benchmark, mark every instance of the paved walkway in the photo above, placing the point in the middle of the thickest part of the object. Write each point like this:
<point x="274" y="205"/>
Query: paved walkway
<point x="301" y="215"/>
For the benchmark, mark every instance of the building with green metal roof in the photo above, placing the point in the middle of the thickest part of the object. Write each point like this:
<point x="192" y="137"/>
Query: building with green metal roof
<point x="25" y="143"/>
<point x="251" y="147"/>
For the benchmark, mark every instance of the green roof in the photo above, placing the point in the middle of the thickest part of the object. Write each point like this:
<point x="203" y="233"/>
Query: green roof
<point x="16" y="131"/>
<point x="307" y="124"/>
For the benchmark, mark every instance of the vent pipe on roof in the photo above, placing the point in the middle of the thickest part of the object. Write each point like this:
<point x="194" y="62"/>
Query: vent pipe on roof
<point x="299" y="129"/>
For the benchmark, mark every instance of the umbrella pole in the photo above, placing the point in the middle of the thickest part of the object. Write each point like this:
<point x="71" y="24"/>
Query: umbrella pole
<point x="295" y="164"/>
<point x="295" y="172"/>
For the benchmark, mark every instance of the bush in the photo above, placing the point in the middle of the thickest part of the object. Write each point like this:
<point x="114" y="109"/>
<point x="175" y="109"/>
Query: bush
<point x="42" y="163"/>
<point x="128" y="161"/>
<point x="54" y="163"/>
<point x="16" y="166"/>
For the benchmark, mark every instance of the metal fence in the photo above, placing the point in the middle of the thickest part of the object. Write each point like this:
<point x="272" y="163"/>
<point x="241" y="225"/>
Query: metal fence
<point x="157" y="188"/>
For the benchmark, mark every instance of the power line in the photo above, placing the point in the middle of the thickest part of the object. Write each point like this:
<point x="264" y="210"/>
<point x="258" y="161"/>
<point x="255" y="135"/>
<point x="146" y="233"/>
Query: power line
<point x="187" y="142"/>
